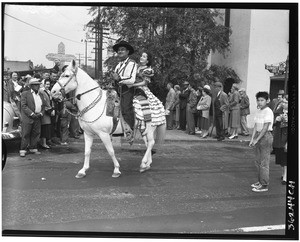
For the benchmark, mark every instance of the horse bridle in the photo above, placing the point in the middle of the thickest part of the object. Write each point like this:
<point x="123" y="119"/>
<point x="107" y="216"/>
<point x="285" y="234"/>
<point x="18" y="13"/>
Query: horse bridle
<point x="62" y="89"/>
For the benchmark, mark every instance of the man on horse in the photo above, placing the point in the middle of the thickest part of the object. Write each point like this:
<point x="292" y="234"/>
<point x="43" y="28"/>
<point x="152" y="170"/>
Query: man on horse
<point x="124" y="75"/>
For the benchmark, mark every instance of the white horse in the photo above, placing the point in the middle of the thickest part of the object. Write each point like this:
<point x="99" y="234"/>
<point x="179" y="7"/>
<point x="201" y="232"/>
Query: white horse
<point x="93" y="120"/>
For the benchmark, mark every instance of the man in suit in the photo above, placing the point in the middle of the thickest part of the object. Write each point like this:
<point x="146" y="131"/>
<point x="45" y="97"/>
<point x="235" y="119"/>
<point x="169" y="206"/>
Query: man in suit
<point x="32" y="109"/>
<point x="169" y="105"/>
<point x="183" y="97"/>
<point x="221" y="111"/>
<point x="245" y="110"/>
<point x="191" y="110"/>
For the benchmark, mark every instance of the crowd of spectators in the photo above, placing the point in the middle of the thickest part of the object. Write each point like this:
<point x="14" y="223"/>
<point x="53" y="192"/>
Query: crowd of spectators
<point x="45" y="122"/>
<point x="197" y="110"/>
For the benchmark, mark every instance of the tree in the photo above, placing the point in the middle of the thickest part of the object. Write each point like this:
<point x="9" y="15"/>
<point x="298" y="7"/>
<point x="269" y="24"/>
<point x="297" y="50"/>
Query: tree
<point x="180" y="39"/>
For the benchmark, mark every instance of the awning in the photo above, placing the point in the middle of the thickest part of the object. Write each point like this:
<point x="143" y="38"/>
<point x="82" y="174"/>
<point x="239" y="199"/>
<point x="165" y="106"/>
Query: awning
<point x="278" y="78"/>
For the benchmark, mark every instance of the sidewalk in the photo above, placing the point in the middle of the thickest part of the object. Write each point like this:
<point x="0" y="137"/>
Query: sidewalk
<point x="173" y="136"/>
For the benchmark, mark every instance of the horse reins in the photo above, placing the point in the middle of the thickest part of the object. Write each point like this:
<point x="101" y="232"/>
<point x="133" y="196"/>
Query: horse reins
<point x="78" y="96"/>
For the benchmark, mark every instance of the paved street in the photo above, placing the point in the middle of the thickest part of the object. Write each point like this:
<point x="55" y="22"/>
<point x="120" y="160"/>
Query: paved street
<point x="195" y="186"/>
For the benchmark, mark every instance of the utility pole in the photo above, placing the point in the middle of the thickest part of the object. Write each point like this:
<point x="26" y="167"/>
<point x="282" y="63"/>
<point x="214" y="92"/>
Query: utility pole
<point x="98" y="31"/>
<point x="85" y="53"/>
<point x="100" y="47"/>
<point x="79" y="58"/>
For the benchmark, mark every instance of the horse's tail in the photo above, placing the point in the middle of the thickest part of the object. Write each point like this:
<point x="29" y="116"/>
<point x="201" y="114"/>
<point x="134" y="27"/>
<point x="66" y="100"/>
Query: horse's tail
<point x="160" y="134"/>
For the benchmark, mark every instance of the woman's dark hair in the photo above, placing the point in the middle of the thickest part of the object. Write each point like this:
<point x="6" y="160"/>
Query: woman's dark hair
<point x="264" y="95"/>
<point x="47" y="80"/>
<point x="149" y="58"/>
<point x="37" y="75"/>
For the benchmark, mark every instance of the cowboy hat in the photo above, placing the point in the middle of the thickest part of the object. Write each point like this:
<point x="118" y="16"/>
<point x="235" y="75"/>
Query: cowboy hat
<point x="125" y="44"/>
<point x="34" y="81"/>
<point x="281" y="92"/>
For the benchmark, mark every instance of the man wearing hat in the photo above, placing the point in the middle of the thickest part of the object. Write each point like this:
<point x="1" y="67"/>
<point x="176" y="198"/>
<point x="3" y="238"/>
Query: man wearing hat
<point x="32" y="109"/>
<point x="221" y="111"/>
<point x="169" y="105"/>
<point x="183" y="98"/>
<point x="276" y="101"/>
<point x="245" y="110"/>
<point x="276" y="107"/>
<point x="125" y="74"/>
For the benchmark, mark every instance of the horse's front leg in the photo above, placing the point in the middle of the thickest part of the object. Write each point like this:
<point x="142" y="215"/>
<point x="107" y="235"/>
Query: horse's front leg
<point x="106" y="139"/>
<point x="88" y="142"/>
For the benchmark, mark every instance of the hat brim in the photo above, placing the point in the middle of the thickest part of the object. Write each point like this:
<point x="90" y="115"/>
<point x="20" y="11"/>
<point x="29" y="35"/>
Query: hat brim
<point x="127" y="46"/>
<point x="35" y="83"/>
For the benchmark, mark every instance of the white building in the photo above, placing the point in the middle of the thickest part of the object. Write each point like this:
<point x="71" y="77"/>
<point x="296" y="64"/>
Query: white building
<point x="258" y="37"/>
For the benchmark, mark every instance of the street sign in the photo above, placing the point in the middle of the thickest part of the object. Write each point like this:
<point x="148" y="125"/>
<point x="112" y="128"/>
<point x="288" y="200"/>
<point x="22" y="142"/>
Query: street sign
<point x="61" y="57"/>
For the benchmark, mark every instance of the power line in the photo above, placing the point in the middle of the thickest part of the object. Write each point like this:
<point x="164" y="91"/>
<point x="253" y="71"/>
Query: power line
<point x="42" y="29"/>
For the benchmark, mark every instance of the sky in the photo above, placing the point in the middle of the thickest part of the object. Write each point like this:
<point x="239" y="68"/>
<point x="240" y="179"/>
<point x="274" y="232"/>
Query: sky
<point x="23" y="42"/>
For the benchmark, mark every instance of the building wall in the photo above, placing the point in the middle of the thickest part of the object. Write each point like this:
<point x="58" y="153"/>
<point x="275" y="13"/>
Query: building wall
<point x="17" y="65"/>
<point x="269" y="37"/>
<point x="258" y="37"/>
<point x="238" y="56"/>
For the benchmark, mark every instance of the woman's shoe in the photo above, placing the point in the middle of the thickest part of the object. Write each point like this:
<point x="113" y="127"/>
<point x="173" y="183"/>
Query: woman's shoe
<point x="45" y="147"/>
<point x="233" y="137"/>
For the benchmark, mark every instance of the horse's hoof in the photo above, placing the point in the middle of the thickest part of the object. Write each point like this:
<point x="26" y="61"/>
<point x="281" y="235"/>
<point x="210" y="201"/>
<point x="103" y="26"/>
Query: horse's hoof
<point x="116" y="175"/>
<point x="80" y="175"/>
<point x="144" y="169"/>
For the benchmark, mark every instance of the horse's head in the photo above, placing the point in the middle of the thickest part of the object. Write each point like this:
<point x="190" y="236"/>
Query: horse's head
<point x="67" y="81"/>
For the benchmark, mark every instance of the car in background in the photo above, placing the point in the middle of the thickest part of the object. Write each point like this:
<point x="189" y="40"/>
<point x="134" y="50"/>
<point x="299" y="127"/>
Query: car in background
<point x="11" y="130"/>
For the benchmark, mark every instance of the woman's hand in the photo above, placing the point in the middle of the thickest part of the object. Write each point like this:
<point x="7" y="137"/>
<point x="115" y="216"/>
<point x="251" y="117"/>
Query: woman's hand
<point x="115" y="76"/>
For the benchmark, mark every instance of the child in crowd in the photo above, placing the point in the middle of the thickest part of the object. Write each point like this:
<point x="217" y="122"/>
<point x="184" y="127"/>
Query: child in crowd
<point x="262" y="140"/>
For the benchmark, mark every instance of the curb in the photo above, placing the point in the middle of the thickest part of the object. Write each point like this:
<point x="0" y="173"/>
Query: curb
<point x="169" y="141"/>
